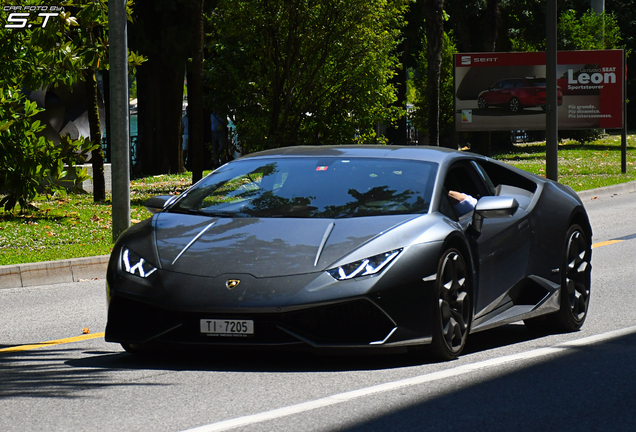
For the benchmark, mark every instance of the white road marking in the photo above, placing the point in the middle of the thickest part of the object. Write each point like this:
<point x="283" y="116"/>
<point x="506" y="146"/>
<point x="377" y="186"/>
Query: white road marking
<point x="408" y="382"/>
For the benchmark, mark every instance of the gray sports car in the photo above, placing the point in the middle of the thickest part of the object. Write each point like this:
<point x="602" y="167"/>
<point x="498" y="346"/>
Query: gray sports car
<point x="352" y="246"/>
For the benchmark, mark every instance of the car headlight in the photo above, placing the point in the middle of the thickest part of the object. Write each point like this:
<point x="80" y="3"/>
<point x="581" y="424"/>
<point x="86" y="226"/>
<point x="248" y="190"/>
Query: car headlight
<point x="365" y="267"/>
<point x="136" y="265"/>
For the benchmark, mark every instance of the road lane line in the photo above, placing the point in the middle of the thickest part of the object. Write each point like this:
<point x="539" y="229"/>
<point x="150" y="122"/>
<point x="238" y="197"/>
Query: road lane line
<point x="606" y="243"/>
<point x="417" y="380"/>
<point x="53" y="342"/>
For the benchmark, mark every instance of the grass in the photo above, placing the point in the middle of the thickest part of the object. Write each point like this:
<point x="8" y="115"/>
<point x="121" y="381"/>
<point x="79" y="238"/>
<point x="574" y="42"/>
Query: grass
<point x="581" y="166"/>
<point x="73" y="226"/>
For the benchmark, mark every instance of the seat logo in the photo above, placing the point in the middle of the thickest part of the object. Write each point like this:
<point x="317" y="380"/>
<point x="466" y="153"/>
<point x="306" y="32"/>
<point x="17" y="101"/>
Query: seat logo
<point x="232" y="283"/>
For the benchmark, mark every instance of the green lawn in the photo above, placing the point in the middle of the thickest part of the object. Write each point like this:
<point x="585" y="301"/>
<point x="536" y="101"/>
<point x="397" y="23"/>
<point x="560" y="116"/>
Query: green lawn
<point x="581" y="166"/>
<point x="73" y="226"/>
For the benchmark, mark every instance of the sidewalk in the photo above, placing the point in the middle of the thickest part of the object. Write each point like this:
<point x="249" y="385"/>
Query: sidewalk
<point x="78" y="269"/>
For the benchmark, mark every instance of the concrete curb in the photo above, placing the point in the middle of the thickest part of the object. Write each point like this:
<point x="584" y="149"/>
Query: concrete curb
<point x="53" y="272"/>
<point x="73" y="270"/>
<point x="607" y="191"/>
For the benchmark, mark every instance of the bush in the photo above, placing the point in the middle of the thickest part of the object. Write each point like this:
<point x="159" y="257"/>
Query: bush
<point x="29" y="163"/>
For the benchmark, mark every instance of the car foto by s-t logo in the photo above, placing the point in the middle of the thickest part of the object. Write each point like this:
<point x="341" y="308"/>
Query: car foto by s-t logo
<point x="19" y="16"/>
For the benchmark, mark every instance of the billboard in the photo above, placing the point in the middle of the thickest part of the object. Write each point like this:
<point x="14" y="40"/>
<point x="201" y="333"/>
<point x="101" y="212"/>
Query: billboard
<point x="506" y="91"/>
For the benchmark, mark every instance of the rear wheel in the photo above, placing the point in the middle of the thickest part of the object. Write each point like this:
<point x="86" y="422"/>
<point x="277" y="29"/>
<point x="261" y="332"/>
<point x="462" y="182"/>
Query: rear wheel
<point x="575" y="285"/>
<point x="452" y="311"/>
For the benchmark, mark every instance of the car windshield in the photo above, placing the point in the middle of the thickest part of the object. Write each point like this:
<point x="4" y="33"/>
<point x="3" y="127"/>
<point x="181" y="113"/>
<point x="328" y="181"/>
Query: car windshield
<point x="537" y="82"/>
<point x="314" y="187"/>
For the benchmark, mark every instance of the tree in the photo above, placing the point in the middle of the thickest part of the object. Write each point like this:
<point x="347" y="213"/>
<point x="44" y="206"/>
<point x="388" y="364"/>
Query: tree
<point x="162" y="33"/>
<point x="447" y="92"/>
<point x="195" y="94"/>
<point x="31" y="57"/>
<point x="304" y="71"/>
<point x="434" y="11"/>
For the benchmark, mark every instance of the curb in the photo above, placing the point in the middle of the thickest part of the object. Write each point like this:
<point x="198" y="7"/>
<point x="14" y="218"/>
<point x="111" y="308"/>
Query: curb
<point x="53" y="272"/>
<point x="77" y="269"/>
<point x="607" y="191"/>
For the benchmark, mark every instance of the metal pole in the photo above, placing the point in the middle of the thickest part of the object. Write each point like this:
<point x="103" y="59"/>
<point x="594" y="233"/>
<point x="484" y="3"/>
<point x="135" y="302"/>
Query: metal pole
<point x="597" y="6"/>
<point x="624" y="131"/>
<point x="119" y="113"/>
<point x="551" y="119"/>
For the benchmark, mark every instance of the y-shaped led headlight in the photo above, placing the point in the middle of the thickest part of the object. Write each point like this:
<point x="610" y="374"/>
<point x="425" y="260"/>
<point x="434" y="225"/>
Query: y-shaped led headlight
<point x="365" y="267"/>
<point x="135" y="265"/>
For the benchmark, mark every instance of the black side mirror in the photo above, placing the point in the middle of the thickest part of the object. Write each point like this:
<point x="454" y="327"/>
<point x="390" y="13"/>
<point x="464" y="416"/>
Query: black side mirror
<point x="493" y="207"/>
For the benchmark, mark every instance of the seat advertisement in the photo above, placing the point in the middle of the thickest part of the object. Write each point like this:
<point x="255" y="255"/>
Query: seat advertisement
<point x="507" y="91"/>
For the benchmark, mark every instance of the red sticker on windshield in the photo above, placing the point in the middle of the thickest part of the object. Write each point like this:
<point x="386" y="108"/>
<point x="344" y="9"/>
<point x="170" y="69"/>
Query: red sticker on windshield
<point x="322" y="168"/>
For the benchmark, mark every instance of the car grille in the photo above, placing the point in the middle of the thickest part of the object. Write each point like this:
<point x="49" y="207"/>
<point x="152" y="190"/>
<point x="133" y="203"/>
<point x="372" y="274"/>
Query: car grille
<point x="353" y="322"/>
<point x="356" y="322"/>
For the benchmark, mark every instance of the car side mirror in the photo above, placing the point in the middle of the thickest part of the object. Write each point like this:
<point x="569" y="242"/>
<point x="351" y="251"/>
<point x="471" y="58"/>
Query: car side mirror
<point x="157" y="203"/>
<point x="493" y="207"/>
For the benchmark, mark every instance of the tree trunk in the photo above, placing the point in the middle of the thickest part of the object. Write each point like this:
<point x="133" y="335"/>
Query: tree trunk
<point x="398" y="134"/>
<point x="492" y="22"/>
<point x="434" y="39"/>
<point x="160" y="97"/>
<point x="161" y="33"/>
<point x="483" y="140"/>
<point x="195" y="96"/>
<point x="97" y="156"/>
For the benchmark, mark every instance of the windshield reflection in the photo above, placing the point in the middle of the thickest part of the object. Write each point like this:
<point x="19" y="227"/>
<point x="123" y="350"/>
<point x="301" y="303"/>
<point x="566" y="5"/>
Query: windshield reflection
<point x="310" y="187"/>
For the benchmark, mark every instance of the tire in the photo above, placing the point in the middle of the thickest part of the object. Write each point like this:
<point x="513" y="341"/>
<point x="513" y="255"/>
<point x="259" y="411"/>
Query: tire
<point x="135" y="349"/>
<point x="453" y="310"/>
<point x="575" y="286"/>
<point x="481" y="103"/>
<point x="514" y="105"/>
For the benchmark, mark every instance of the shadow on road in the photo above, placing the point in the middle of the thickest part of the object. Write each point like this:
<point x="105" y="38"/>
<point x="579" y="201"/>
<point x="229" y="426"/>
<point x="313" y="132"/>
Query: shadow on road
<point x="588" y="388"/>
<point x="58" y="372"/>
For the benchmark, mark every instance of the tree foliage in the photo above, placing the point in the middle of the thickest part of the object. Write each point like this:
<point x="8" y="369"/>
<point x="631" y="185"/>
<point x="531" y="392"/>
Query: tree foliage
<point x="578" y="31"/>
<point x="304" y="71"/>
<point x="32" y="57"/>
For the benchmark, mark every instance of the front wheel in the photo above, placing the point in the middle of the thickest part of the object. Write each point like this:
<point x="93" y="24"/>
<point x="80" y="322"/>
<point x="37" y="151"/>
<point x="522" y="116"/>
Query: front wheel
<point x="481" y="103"/>
<point x="452" y="311"/>
<point x="514" y="105"/>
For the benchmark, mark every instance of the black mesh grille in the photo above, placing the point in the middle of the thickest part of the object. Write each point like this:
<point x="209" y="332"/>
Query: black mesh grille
<point x="354" y="322"/>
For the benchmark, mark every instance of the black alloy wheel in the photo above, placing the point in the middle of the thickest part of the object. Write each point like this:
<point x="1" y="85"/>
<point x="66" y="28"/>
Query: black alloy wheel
<point x="452" y="313"/>
<point x="481" y="103"/>
<point x="514" y="105"/>
<point x="575" y="286"/>
<point x="575" y="280"/>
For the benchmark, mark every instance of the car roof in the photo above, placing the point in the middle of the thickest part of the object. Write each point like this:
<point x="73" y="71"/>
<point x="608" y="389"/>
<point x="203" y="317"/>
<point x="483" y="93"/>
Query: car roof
<point x="422" y="153"/>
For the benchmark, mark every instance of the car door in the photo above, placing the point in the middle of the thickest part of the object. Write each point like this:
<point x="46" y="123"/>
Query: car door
<point x="501" y="249"/>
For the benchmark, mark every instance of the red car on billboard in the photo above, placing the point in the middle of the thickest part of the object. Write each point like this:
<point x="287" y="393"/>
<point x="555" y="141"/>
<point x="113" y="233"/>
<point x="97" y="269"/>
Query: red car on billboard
<point x="516" y="94"/>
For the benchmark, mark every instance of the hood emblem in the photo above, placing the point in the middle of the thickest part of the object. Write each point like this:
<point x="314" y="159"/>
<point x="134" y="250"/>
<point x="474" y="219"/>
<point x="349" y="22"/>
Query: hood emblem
<point x="232" y="283"/>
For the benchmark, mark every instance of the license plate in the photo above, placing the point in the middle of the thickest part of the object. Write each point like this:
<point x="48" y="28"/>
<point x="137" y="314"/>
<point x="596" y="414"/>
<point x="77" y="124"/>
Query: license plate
<point x="220" y="327"/>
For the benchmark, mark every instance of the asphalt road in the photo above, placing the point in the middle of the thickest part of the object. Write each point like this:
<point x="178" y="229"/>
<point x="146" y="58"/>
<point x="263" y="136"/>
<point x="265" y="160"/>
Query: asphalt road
<point x="508" y="379"/>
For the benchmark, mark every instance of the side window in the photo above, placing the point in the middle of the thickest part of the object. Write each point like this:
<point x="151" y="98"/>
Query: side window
<point x="464" y="178"/>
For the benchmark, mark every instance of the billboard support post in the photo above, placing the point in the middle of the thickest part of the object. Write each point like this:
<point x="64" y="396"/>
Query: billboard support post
<point x="551" y="119"/>
<point x="624" y="130"/>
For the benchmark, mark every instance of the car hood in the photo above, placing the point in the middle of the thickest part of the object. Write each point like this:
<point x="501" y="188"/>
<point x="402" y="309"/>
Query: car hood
<point x="262" y="247"/>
